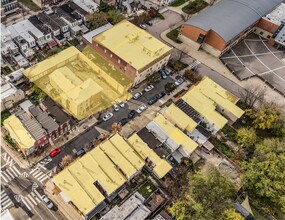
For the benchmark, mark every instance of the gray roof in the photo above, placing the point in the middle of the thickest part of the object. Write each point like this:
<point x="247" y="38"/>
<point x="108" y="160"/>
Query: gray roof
<point x="44" y="119"/>
<point x="228" y="18"/>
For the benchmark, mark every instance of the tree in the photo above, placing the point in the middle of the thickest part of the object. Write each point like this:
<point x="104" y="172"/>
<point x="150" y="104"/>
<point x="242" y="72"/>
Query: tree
<point x="104" y="7"/>
<point x="265" y="174"/>
<point x="97" y="19"/>
<point x="40" y="93"/>
<point x="116" y="127"/>
<point x="268" y="117"/>
<point x="66" y="160"/>
<point x="114" y="16"/>
<point x="246" y="137"/>
<point x="251" y="94"/>
<point x="231" y="214"/>
<point x="192" y="76"/>
<point x="193" y="204"/>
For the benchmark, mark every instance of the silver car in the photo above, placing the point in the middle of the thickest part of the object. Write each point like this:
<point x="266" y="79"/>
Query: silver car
<point x="47" y="202"/>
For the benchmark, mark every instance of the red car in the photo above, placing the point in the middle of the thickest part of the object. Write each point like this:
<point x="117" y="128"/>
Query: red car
<point x="55" y="152"/>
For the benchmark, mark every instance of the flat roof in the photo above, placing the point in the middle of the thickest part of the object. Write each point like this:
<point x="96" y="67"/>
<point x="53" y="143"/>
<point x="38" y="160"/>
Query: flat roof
<point x="277" y="15"/>
<point x="123" y="155"/>
<point x="162" y="167"/>
<point x="179" y="118"/>
<point x="175" y="134"/>
<point x="88" y="36"/>
<point x="220" y="96"/>
<point x="132" y="208"/>
<point x="19" y="132"/>
<point x="228" y="18"/>
<point x="87" y="5"/>
<point x="132" y="44"/>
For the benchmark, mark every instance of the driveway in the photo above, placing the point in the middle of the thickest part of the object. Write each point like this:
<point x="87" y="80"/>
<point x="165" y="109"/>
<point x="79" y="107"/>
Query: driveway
<point x="171" y="18"/>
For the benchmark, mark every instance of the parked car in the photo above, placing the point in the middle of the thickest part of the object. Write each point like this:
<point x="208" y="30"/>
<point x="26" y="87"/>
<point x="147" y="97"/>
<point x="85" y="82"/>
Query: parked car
<point x="152" y="101"/>
<point x="148" y="23"/>
<point x="141" y="109"/>
<point x="47" y="202"/>
<point x="81" y="152"/>
<point x="160" y="95"/>
<point x="123" y="121"/>
<point x="107" y="116"/>
<point x="143" y="26"/>
<point x="132" y="114"/>
<point x="55" y="152"/>
<point x="121" y="104"/>
<point x="137" y="95"/>
<point x="150" y="87"/>
<point x="116" y="108"/>
<point x="179" y="81"/>
<point x="163" y="74"/>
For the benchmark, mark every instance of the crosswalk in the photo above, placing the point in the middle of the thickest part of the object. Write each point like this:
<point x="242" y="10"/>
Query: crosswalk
<point x="39" y="175"/>
<point x="30" y="201"/>
<point x="9" y="161"/>
<point x="10" y="173"/>
<point x="6" y="202"/>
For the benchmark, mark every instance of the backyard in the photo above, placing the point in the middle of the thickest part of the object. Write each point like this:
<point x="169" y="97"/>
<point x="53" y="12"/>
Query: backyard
<point x="4" y="115"/>
<point x="147" y="189"/>
<point x="195" y="6"/>
<point x="31" y="5"/>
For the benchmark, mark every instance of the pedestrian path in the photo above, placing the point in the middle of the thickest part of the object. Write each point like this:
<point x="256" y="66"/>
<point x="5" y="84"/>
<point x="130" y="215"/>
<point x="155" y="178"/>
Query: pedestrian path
<point x="39" y="175"/>
<point x="9" y="161"/>
<point x="6" y="202"/>
<point x="10" y="173"/>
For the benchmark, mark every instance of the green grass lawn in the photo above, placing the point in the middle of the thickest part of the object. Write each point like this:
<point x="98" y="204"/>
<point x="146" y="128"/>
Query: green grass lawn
<point x="172" y="35"/>
<point x="222" y="147"/>
<point x="195" y="6"/>
<point x="230" y="132"/>
<point x="147" y="189"/>
<point x="178" y="3"/>
<point x="6" y="70"/>
<point x="31" y="5"/>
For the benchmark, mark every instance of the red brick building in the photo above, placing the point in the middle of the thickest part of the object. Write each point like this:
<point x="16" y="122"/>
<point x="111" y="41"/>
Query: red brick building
<point x="223" y="25"/>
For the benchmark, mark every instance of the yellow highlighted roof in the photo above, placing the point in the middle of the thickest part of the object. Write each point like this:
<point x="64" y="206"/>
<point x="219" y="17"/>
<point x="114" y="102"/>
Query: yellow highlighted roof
<point x="78" y="185"/>
<point x="19" y="132"/>
<point x="179" y="118"/>
<point x="127" y="151"/>
<point x="162" y="167"/>
<point x="220" y="96"/>
<point x="132" y="44"/>
<point x="175" y="134"/>
<point x="206" y="95"/>
<point x="122" y="156"/>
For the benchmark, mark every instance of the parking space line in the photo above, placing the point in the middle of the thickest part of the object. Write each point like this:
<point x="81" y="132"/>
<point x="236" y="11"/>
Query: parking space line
<point x="251" y="55"/>
<point x="243" y="63"/>
<point x="263" y="63"/>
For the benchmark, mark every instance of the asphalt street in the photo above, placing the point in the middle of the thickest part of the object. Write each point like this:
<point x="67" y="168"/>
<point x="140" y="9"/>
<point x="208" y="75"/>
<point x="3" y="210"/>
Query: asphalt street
<point x="21" y="191"/>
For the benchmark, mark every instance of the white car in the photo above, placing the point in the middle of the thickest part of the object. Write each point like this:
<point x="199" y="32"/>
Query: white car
<point x="143" y="26"/>
<point x="116" y="108"/>
<point x="121" y="104"/>
<point x="179" y="81"/>
<point x="47" y="202"/>
<point x="107" y="116"/>
<point x="137" y="95"/>
<point x="141" y="109"/>
<point x="150" y="87"/>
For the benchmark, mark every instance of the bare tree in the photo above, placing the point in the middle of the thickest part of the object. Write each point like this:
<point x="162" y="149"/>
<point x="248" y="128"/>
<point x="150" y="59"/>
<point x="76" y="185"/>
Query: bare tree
<point x="211" y="2"/>
<point x="116" y="127"/>
<point x="180" y="54"/>
<point x="66" y="160"/>
<point x="251" y="94"/>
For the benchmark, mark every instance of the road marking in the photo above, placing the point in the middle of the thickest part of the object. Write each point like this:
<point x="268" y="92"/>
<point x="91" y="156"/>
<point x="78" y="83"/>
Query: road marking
<point x="7" y="176"/>
<point x="38" y="194"/>
<point x="38" y="214"/>
<point x="27" y="201"/>
<point x="34" y="186"/>
<point x="18" y="198"/>
<point x="33" y="170"/>
<point x="5" y="201"/>
<point x="9" y="173"/>
<point x="15" y="168"/>
<point x="39" y="173"/>
<point x="4" y="178"/>
<point x="13" y="171"/>
<point x="43" y="178"/>
<point x="32" y="199"/>
<point x="25" y="174"/>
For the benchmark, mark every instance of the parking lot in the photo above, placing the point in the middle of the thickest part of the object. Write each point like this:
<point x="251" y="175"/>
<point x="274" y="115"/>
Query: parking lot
<point x="91" y="133"/>
<point x="254" y="57"/>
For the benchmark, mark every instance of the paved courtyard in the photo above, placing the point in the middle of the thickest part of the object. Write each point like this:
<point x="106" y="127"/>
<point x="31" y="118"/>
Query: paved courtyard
<point x="253" y="57"/>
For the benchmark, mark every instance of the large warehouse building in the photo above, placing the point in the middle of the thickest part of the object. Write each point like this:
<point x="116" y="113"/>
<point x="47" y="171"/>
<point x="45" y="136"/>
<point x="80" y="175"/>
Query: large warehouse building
<point x="223" y="25"/>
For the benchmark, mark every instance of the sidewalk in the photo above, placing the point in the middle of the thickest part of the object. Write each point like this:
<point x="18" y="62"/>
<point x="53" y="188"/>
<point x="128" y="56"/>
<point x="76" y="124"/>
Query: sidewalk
<point x="67" y="210"/>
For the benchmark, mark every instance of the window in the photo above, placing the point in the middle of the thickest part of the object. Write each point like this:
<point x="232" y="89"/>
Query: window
<point x="261" y="32"/>
<point x="268" y="36"/>
<point x="201" y="38"/>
